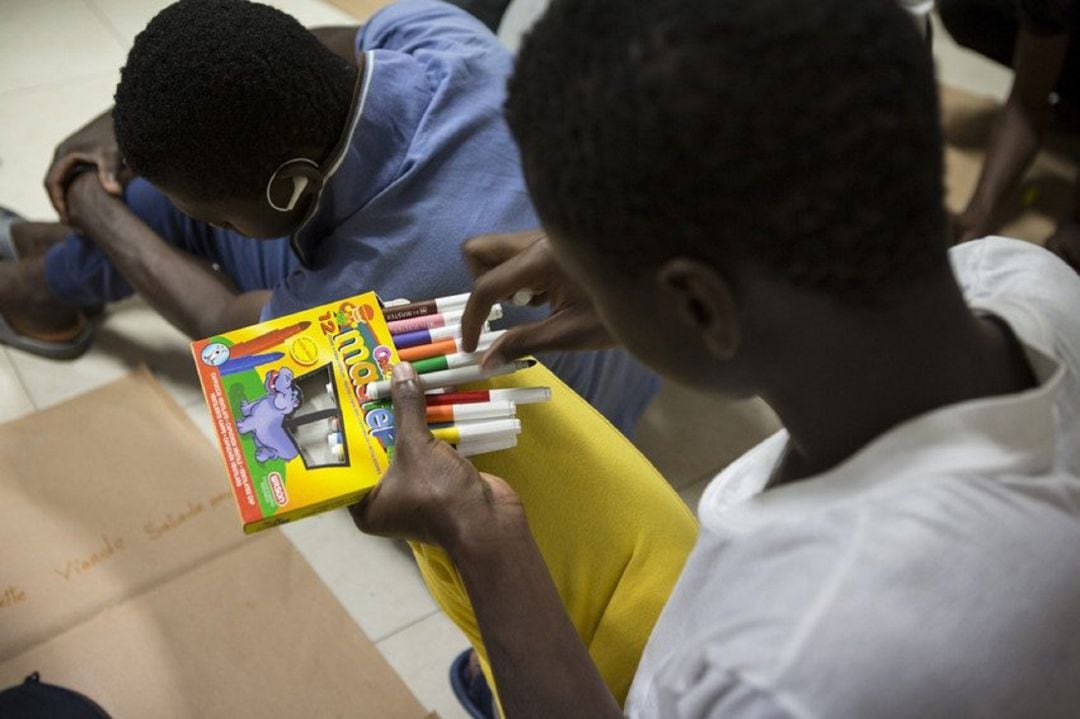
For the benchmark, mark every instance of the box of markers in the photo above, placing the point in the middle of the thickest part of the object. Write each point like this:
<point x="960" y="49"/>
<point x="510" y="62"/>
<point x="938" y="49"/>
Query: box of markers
<point x="301" y="404"/>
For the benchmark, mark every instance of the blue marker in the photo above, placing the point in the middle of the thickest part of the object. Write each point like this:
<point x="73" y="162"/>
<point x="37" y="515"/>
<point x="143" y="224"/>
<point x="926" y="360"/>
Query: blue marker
<point x="243" y="364"/>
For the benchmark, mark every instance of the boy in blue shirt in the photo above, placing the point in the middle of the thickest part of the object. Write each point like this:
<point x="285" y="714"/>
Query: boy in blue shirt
<point x="366" y="155"/>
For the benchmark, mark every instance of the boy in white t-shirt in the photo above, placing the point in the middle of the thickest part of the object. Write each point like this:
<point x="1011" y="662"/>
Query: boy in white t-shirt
<point x="748" y="195"/>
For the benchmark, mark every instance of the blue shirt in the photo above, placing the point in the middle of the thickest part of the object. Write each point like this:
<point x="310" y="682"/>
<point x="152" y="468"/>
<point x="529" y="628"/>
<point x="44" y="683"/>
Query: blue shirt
<point x="428" y="164"/>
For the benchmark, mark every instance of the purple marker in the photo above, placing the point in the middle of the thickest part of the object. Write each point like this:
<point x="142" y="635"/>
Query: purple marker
<point x="426" y="337"/>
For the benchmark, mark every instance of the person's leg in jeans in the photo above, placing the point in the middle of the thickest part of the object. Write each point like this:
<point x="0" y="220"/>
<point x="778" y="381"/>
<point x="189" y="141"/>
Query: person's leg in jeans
<point x="80" y="274"/>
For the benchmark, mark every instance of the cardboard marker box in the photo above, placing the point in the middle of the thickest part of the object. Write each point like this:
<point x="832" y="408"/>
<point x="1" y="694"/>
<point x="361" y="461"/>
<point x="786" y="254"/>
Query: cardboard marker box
<point x="285" y="399"/>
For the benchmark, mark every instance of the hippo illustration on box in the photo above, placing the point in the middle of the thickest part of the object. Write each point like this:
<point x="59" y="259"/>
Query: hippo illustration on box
<point x="264" y="418"/>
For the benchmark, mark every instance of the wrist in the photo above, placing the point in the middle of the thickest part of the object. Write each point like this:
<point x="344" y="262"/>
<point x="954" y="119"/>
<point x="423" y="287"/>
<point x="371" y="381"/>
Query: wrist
<point x="86" y="198"/>
<point x="482" y="540"/>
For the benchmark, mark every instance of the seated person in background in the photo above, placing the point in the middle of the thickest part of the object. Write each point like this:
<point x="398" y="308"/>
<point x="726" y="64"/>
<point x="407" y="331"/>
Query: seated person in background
<point x="909" y="544"/>
<point x="1034" y="38"/>
<point x="378" y="149"/>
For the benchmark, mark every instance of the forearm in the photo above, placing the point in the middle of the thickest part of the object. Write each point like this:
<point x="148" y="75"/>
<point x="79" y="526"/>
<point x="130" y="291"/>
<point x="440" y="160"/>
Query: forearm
<point x="1018" y="133"/>
<point x="542" y="669"/>
<point x="186" y="291"/>
<point x="1017" y="137"/>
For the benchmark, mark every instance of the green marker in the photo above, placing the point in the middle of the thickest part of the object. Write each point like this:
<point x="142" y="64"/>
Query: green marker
<point x="451" y="361"/>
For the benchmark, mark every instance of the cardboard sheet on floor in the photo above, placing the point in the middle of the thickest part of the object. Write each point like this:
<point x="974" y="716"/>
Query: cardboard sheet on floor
<point x="124" y="576"/>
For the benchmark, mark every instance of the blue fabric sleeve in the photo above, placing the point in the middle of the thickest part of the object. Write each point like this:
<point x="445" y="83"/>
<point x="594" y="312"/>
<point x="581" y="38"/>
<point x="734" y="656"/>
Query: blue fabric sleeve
<point x="409" y="26"/>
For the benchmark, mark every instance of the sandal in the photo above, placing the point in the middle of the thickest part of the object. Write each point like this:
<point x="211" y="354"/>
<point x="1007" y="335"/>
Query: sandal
<point x="65" y="344"/>
<point x="7" y="246"/>
<point x="471" y="689"/>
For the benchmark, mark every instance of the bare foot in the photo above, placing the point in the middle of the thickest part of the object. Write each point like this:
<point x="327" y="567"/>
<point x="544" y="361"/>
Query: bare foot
<point x="33" y="239"/>
<point x="29" y="307"/>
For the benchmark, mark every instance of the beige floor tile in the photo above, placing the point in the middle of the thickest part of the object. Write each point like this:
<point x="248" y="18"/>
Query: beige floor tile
<point x="966" y="70"/>
<point x="361" y="9"/>
<point x="33" y="122"/>
<point x="14" y="400"/>
<point x="198" y="413"/>
<point x="48" y="41"/>
<point x="313" y="13"/>
<point x="375" y="579"/>
<point x="128" y="17"/>
<point x="421" y="654"/>
<point x="130" y="334"/>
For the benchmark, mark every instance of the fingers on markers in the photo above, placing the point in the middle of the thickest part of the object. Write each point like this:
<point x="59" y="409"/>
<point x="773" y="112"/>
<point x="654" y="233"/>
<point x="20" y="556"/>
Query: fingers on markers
<point x="486" y="251"/>
<point x="557" y="332"/>
<point x="505" y="280"/>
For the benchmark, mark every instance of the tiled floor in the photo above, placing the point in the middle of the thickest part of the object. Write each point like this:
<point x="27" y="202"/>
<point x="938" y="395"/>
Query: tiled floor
<point x="59" y="63"/>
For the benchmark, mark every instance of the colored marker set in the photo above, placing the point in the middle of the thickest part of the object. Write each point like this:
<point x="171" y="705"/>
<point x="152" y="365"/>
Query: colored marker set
<point x="301" y="404"/>
<point x="428" y="334"/>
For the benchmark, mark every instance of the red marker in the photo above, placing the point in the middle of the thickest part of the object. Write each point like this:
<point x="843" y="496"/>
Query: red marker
<point x="517" y="395"/>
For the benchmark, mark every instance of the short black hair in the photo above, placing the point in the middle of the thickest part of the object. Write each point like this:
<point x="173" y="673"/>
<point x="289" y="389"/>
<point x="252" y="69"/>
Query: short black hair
<point x="800" y="135"/>
<point x="217" y="94"/>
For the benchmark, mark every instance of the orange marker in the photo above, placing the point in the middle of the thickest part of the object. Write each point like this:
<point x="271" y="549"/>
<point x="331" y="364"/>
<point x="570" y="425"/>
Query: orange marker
<point x="446" y="347"/>
<point x="447" y="413"/>
<point x="266" y="341"/>
<point x="435" y="349"/>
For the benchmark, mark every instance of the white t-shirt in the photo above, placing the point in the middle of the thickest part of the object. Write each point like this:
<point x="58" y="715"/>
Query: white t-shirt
<point x="936" y="573"/>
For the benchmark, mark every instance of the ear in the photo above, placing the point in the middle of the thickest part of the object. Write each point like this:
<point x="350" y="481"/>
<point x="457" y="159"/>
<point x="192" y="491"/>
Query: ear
<point x="291" y="182"/>
<point x="702" y="299"/>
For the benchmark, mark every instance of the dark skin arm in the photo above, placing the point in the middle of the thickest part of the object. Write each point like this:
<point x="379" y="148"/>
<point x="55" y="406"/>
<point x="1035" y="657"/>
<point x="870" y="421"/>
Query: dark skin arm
<point x="504" y="264"/>
<point x="1018" y="133"/>
<point x="184" y="289"/>
<point x="93" y="144"/>
<point x="433" y="495"/>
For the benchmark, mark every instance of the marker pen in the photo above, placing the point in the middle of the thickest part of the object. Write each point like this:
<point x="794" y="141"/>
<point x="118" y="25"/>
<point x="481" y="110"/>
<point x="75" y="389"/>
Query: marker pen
<point x="426" y="337"/>
<point x="473" y="431"/>
<point x="458" y="359"/>
<point x="426" y="307"/>
<point x="495" y="444"/>
<point x="517" y="395"/>
<point x="447" y="347"/>
<point x="440" y="413"/>
<point x="441" y="319"/>
<point x="449" y="377"/>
